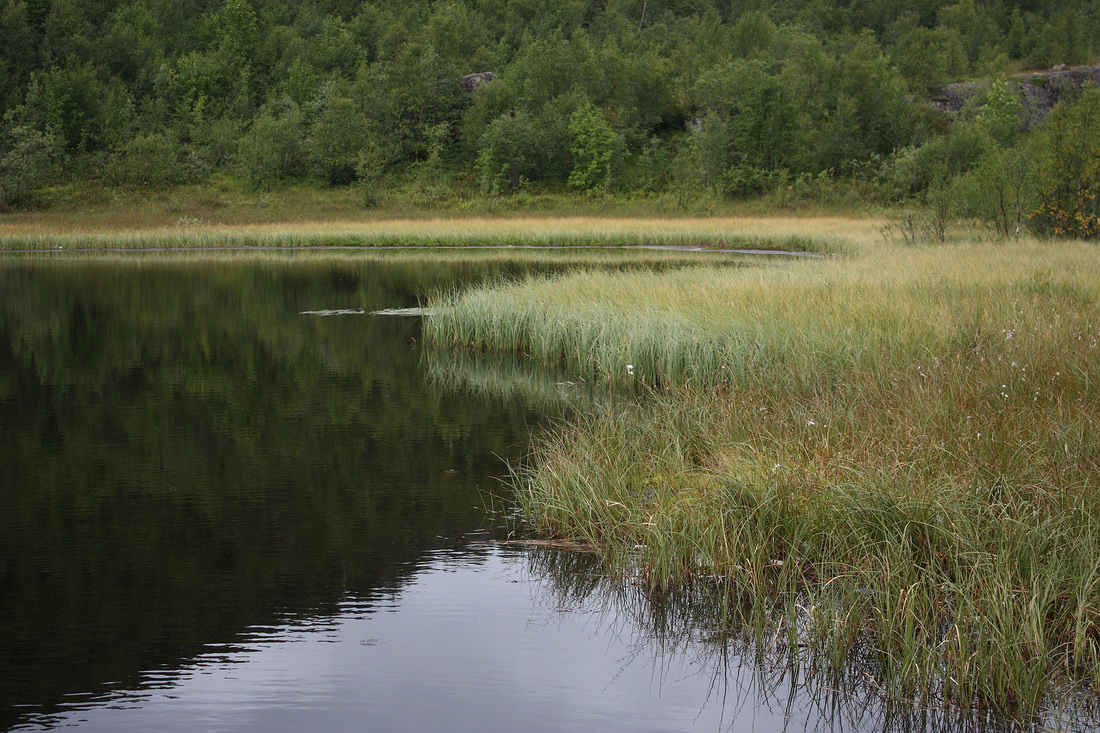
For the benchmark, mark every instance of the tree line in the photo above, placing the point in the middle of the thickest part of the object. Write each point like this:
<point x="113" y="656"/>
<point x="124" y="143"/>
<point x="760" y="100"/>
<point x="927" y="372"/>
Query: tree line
<point x="680" y="98"/>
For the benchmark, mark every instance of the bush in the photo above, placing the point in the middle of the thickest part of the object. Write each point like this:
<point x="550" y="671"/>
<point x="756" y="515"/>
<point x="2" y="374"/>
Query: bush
<point x="28" y="160"/>
<point x="1000" y="191"/>
<point x="519" y="147"/>
<point x="371" y="164"/>
<point x="593" y="146"/>
<point x="272" y="150"/>
<point x="338" y="134"/>
<point x="151" y="161"/>
<point x="914" y="169"/>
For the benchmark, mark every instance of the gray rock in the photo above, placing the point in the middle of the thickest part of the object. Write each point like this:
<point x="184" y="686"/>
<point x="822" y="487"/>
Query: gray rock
<point x="1038" y="92"/>
<point x="470" y="82"/>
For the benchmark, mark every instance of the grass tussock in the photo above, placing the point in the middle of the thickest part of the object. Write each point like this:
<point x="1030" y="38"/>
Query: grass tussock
<point x="892" y="456"/>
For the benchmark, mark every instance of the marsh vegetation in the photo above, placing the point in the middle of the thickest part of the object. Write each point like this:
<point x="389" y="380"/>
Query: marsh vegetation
<point x="820" y="234"/>
<point x="889" y="455"/>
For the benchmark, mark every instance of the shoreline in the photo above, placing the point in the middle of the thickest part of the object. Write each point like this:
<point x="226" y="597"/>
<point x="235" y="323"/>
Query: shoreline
<point x="794" y="236"/>
<point x="421" y="248"/>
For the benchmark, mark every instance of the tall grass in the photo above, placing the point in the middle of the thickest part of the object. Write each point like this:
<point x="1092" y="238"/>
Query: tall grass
<point x="810" y="321"/>
<point x="892" y="457"/>
<point x="751" y="666"/>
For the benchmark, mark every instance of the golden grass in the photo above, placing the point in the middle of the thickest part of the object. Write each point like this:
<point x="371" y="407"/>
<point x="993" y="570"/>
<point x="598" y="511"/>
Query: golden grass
<point x="68" y="232"/>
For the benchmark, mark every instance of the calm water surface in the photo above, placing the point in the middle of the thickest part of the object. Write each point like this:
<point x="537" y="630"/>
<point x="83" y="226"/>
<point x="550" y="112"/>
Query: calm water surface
<point x="219" y="512"/>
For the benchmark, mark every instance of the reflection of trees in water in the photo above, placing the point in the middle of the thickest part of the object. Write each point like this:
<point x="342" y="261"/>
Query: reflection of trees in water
<point x="753" y="661"/>
<point x="185" y="455"/>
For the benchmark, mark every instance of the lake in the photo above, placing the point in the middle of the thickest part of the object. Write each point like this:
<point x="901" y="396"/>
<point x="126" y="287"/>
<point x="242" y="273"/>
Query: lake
<point x="234" y="499"/>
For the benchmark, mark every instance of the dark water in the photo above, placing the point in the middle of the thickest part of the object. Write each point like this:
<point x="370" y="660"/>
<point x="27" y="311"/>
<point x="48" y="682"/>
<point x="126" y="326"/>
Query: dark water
<point x="220" y="513"/>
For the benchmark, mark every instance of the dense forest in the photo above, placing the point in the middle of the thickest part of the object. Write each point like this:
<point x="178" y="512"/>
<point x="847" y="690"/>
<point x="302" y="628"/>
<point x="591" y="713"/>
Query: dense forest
<point x="449" y="98"/>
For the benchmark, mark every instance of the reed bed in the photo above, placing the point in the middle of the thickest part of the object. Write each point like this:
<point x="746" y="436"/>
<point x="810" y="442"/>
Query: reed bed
<point x="810" y="234"/>
<point x="890" y="457"/>
<point x="696" y="623"/>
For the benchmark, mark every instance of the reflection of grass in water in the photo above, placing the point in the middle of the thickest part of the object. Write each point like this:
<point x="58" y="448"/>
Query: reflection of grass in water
<point x="537" y="383"/>
<point x="753" y="659"/>
<point x="508" y="377"/>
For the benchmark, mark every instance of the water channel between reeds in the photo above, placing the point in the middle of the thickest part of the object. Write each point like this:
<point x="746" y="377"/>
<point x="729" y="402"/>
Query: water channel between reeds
<point x="232" y="498"/>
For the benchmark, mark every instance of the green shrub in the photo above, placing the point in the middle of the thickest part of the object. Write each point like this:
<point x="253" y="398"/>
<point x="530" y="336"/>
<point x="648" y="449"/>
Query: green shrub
<point x="1000" y="191"/>
<point x="272" y="150"/>
<point x="28" y="160"/>
<point x="1069" y="170"/>
<point x="593" y="146"/>
<point x="150" y="161"/>
<point x="516" y="148"/>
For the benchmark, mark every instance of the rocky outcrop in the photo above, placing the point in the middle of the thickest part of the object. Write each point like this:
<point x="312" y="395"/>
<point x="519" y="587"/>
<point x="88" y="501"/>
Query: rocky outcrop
<point x="953" y="97"/>
<point x="470" y="82"/>
<point x="1038" y="92"/>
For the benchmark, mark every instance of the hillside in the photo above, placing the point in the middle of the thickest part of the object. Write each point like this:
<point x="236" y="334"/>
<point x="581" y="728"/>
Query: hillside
<point x="441" y="101"/>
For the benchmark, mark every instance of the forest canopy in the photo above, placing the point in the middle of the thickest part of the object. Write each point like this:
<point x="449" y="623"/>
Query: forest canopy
<point x="665" y="97"/>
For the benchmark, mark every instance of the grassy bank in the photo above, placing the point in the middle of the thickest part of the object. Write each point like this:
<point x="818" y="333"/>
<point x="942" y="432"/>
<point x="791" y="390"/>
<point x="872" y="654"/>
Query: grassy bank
<point x="891" y="456"/>
<point x="224" y="216"/>
<point x="718" y="233"/>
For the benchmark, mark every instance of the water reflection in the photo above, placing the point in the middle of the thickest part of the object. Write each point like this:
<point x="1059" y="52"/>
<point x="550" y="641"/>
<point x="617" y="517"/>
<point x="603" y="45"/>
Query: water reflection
<point x="753" y="678"/>
<point x="468" y="643"/>
<point x="510" y="378"/>
<point x="486" y="639"/>
<point x="186" y="454"/>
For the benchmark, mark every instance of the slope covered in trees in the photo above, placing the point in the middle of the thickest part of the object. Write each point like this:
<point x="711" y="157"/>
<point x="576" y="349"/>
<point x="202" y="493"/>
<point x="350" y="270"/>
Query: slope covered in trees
<point x="677" y="97"/>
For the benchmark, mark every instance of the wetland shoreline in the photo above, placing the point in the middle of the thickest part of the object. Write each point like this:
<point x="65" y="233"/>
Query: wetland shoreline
<point x="821" y="235"/>
<point x="883" y="457"/>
